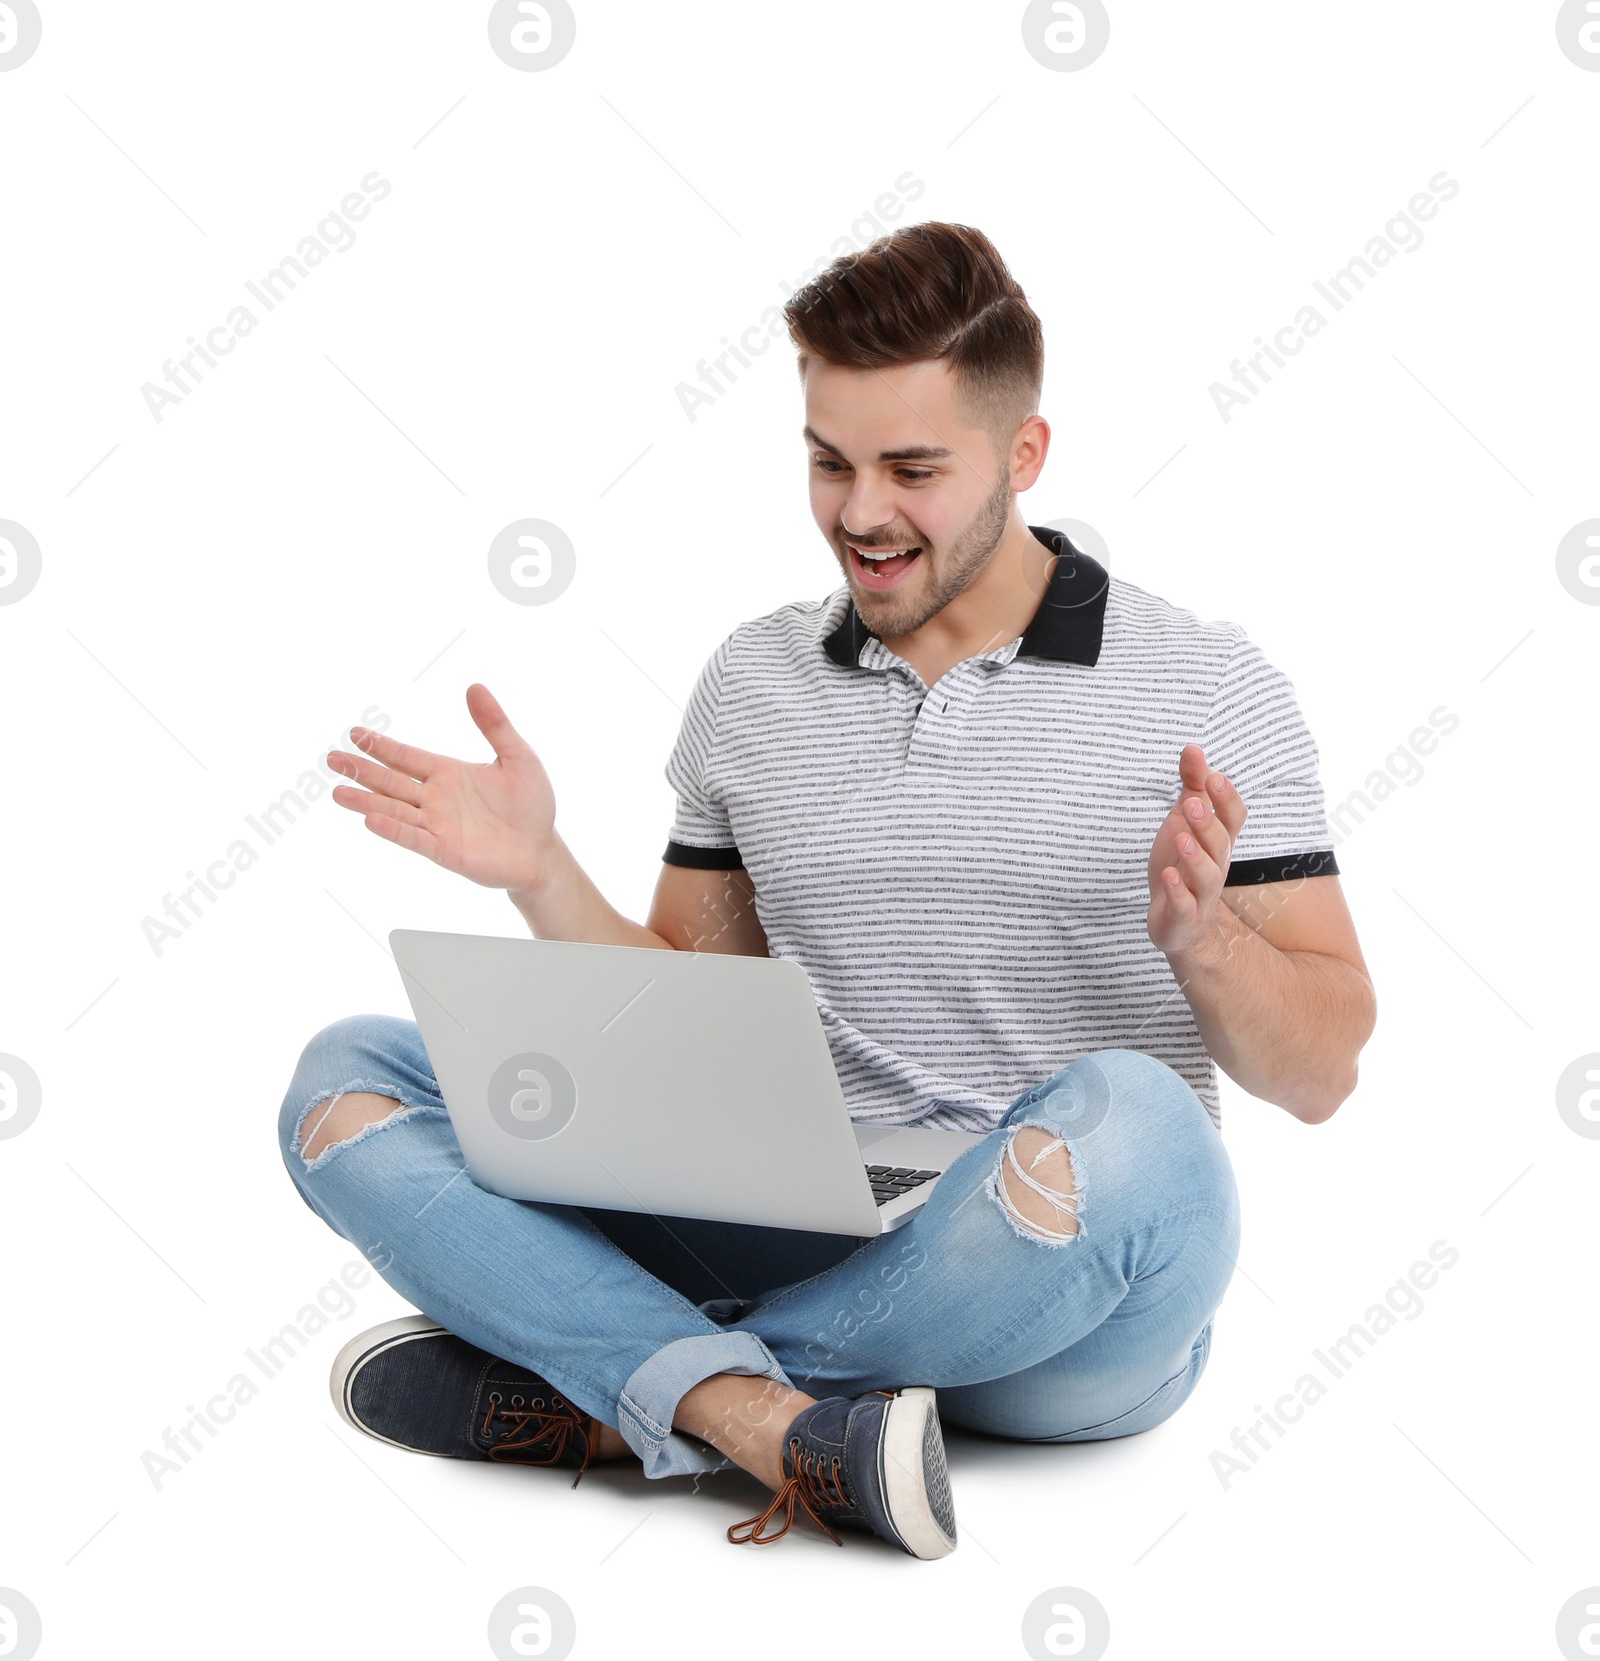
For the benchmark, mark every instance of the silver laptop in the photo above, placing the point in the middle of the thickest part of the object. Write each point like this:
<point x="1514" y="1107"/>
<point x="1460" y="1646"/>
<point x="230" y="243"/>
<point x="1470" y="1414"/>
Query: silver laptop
<point x="691" y="1084"/>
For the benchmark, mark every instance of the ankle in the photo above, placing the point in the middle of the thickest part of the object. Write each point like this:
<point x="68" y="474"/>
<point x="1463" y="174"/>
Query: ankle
<point x="744" y="1417"/>
<point x="607" y="1441"/>
<point x="763" y="1447"/>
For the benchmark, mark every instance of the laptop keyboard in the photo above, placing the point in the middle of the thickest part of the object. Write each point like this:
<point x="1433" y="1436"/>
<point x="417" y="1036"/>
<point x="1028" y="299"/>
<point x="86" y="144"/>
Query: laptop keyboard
<point x="889" y="1182"/>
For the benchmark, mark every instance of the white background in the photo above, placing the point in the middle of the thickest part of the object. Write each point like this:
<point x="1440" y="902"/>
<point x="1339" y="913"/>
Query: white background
<point x="225" y="591"/>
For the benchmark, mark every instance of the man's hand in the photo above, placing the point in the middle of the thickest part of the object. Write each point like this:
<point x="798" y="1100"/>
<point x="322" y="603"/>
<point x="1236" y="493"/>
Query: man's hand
<point x="493" y="822"/>
<point x="1190" y="858"/>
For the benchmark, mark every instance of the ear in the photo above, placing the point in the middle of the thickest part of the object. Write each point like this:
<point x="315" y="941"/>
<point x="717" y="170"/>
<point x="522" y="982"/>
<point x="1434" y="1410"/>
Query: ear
<point x="1030" y="444"/>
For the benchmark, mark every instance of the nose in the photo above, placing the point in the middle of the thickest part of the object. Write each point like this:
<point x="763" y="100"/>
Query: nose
<point x="868" y="505"/>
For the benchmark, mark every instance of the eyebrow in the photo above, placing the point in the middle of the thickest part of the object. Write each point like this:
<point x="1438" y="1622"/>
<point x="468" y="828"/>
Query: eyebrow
<point x="912" y="452"/>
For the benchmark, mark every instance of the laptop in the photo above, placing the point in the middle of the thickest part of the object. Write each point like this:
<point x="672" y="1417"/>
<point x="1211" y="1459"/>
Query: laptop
<point x="688" y="1084"/>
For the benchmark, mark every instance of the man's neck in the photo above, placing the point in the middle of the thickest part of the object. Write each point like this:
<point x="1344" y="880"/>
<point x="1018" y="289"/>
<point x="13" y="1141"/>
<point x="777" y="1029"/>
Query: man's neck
<point x="988" y="615"/>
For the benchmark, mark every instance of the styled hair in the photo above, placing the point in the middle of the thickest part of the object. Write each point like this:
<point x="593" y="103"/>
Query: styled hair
<point x="926" y="292"/>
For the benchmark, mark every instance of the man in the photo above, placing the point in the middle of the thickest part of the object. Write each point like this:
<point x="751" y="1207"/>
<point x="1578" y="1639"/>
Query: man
<point x="1045" y="845"/>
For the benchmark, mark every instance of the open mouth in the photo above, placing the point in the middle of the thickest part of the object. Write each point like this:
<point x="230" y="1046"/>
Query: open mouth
<point x="882" y="567"/>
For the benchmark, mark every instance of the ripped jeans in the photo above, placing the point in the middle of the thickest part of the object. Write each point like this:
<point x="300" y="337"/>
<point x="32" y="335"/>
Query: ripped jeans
<point x="1043" y="1336"/>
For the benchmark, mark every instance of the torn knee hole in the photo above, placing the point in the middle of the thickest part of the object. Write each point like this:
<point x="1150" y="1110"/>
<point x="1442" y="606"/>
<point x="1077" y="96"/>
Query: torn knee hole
<point x="1036" y="1186"/>
<point x="341" y="1117"/>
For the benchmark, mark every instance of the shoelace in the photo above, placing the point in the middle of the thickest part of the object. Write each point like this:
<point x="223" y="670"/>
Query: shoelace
<point x="809" y="1485"/>
<point x="560" y="1422"/>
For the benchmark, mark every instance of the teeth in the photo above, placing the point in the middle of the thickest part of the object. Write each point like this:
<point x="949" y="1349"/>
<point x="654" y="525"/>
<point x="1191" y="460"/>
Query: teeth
<point x="875" y="560"/>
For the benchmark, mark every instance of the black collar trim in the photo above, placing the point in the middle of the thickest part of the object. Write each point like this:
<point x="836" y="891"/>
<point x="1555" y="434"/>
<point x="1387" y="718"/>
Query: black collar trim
<point x="1068" y="626"/>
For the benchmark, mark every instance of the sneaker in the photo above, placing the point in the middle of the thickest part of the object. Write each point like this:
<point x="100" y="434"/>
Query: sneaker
<point x="876" y="1462"/>
<point x="414" y="1385"/>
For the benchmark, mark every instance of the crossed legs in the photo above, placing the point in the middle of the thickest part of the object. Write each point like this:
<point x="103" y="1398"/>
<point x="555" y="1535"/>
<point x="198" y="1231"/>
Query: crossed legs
<point x="745" y="1416"/>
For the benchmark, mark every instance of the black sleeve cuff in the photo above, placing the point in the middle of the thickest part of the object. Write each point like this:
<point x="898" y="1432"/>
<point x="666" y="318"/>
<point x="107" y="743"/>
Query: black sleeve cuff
<point x="703" y="859"/>
<point x="1281" y="868"/>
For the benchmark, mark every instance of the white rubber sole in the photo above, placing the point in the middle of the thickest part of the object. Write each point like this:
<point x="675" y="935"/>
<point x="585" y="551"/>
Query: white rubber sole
<point x="361" y="1349"/>
<point x="911" y="1417"/>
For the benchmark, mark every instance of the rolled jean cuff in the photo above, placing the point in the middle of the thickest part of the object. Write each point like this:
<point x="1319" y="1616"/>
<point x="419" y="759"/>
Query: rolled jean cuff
<point x="650" y="1397"/>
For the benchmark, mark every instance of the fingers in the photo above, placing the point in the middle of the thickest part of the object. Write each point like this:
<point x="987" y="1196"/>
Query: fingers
<point x="382" y="781"/>
<point x="394" y="820"/>
<point x="1229" y="804"/>
<point x="404" y="758"/>
<point x="493" y="723"/>
<point x="373" y="805"/>
<point x="1192" y="769"/>
<point x="1209" y="807"/>
<point x="1208" y="828"/>
<point x="1199" y="832"/>
<point x="405" y="834"/>
<point x="1173" y="908"/>
<point x="1201" y="874"/>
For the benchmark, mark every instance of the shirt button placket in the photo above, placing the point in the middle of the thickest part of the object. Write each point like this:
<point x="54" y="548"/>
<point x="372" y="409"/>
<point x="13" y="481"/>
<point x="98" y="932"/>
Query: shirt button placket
<point x="922" y="708"/>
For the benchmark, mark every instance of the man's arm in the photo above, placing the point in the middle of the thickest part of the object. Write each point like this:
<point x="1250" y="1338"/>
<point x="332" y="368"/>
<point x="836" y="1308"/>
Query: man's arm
<point x="1281" y="994"/>
<point x="692" y="910"/>
<point x="1273" y="973"/>
<point x="494" y="823"/>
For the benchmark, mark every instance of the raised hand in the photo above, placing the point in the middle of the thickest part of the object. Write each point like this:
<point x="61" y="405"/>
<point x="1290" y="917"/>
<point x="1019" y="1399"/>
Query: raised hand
<point x="493" y="821"/>
<point x="1191" y="854"/>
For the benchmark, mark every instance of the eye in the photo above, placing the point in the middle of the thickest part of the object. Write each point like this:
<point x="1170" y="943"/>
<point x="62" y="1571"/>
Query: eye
<point x="911" y="475"/>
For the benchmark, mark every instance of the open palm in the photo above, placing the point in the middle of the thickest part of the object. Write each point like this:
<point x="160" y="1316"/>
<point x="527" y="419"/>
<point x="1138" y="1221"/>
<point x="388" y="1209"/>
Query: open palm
<point x="493" y="821"/>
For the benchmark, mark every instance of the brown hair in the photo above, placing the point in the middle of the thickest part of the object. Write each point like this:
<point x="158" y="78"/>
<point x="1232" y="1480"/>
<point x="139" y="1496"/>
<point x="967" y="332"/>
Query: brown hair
<point x="929" y="292"/>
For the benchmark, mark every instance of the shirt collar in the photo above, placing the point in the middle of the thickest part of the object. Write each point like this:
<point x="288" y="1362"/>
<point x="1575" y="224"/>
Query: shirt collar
<point x="1067" y="626"/>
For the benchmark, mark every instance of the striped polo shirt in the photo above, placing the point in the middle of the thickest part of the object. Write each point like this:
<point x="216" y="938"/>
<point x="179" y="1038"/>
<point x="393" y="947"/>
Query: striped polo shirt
<point x="962" y="870"/>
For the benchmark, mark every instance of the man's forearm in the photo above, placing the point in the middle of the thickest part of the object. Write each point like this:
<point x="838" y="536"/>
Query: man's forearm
<point x="568" y="906"/>
<point x="1286" y="1026"/>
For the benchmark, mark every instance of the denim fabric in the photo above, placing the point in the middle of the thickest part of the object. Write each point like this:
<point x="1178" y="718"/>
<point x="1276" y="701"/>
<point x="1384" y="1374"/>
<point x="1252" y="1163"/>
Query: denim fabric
<point x="1101" y="1334"/>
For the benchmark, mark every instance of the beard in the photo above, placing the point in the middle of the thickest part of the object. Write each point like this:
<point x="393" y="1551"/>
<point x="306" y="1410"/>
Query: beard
<point x="958" y="567"/>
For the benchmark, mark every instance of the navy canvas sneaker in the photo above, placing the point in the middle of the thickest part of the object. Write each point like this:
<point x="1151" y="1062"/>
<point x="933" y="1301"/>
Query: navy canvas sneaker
<point x="875" y="1462"/>
<point x="412" y="1384"/>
